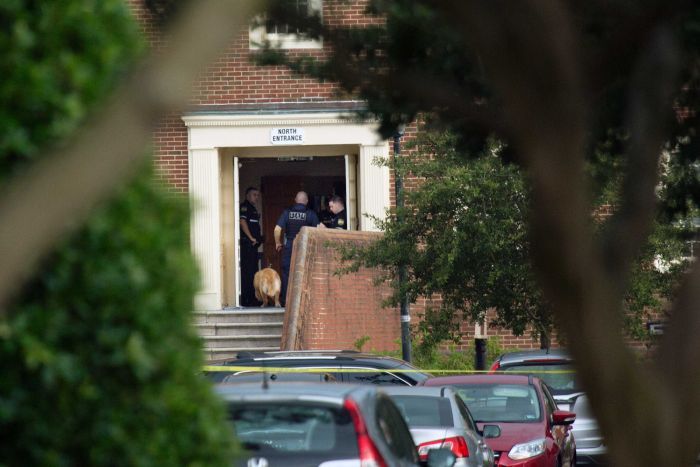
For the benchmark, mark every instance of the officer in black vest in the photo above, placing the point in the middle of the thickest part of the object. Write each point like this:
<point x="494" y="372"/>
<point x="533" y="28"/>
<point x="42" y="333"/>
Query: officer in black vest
<point x="291" y="221"/>
<point x="251" y="239"/>
<point x="339" y="219"/>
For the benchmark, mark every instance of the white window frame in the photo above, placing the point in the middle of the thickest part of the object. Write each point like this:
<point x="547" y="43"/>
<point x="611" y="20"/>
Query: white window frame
<point x="258" y="35"/>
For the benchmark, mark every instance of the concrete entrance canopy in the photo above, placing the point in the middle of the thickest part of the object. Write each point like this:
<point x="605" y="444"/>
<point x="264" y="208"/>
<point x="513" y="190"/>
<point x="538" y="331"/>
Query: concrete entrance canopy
<point x="217" y="136"/>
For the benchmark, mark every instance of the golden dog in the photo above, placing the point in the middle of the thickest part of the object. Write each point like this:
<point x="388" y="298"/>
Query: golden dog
<point x="267" y="285"/>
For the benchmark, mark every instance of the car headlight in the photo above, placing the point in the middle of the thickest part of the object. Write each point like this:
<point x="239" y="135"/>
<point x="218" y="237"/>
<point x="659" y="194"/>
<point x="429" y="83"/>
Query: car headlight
<point x="526" y="450"/>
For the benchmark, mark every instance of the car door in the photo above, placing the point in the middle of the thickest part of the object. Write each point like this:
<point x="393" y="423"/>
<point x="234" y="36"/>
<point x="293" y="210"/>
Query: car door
<point x="475" y="438"/>
<point x="561" y="434"/>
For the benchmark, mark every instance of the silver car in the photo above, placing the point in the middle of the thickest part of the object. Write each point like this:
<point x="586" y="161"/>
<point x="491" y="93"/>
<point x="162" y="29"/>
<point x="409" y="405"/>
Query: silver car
<point x="437" y="417"/>
<point x="317" y="424"/>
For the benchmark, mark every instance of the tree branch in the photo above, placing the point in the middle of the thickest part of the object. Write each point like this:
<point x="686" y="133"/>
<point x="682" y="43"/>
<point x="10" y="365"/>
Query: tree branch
<point x="57" y="194"/>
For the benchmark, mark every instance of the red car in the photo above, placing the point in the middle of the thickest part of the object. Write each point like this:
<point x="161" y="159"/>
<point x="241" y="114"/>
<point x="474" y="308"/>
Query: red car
<point x="518" y="418"/>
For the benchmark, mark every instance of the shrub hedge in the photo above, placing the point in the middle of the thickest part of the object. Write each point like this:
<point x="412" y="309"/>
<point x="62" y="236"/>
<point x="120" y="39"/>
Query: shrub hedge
<point x="100" y="363"/>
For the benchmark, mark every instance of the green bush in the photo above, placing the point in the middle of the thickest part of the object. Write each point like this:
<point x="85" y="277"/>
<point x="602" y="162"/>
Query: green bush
<point x="101" y="365"/>
<point x="100" y="361"/>
<point x="443" y="362"/>
<point x="59" y="58"/>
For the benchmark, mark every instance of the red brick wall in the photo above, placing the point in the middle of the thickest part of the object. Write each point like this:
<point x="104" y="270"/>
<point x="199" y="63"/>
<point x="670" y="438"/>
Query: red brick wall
<point x="330" y="311"/>
<point x="233" y="79"/>
<point x="326" y="311"/>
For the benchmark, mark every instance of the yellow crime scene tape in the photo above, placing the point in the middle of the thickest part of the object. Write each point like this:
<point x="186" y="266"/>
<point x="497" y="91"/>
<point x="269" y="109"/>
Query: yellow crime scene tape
<point x="269" y="369"/>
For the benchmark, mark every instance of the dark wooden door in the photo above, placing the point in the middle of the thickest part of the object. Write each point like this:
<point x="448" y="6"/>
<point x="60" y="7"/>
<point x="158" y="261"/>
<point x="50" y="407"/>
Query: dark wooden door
<point x="278" y="194"/>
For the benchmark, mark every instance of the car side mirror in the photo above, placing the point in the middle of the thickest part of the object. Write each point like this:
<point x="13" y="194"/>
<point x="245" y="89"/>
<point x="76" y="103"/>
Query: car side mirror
<point x="563" y="417"/>
<point x="491" y="431"/>
<point x="441" y="457"/>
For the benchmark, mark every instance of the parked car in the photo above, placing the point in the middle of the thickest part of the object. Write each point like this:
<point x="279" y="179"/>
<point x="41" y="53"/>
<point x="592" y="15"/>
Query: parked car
<point x="556" y="368"/>
<point x="437" y="417"/>
<point x="518" y="417"/>
<point x="328" y="425"/>
<point x="330" y="365"/>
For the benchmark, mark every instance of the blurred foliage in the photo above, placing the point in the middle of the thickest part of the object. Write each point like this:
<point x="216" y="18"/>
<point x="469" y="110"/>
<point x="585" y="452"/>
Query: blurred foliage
<point x="412" y="47"/>
<point x="431" y="358"/>
<point x="100" y="359"/>
<point x="164" y="11"/>
<point x="101" y="364"/>
<point x="59" y="59"/>
<point x="463" y="235"/>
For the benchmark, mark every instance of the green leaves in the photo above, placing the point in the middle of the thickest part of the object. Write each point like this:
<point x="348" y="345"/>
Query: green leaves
<point x="464" y="238"/>
<point x="100" y="361"/>
<point x="59" y="59"/>
<point x="101" y="364"/>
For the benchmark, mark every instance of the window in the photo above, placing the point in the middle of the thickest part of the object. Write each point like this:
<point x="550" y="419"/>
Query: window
<point x="549" y="402"/>
<point x="284" y="36"/>
<point x="375" y="377"/>
<point x="424" y="411"/>
<point x="294" y="428"/>
<point x="560" y="377"/>
<point x="257" y="377"/>
<point x="501" y="402"/>
<point x="466" y="415"/>
<point x="394" y="430"/>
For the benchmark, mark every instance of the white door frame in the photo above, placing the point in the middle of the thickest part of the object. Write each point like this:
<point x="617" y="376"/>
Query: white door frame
<point x="237" y="229"/>
<point x="346" y="195"/>
<point x="210" y="135"/>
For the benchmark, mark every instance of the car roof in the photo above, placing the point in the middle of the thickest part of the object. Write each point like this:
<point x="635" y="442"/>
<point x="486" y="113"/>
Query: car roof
<point x="283" y="358"/>
<point x="500" y="378"/>
<point x="440" y="391"/>
<point x="332" y="393"/>
<point x="541" y="355"/>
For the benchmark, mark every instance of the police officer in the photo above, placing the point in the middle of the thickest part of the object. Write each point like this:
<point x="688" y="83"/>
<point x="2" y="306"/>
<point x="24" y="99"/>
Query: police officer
<point x="339" y="219"/>
<point x="291" y="221"/>
<point x="325" y="216"/>
<point x="251" y="239"/>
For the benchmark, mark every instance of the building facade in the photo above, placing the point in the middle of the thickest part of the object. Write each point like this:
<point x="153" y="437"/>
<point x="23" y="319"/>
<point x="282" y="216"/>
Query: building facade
<point x="263" y="126"/>
<point x="249" y="125"/>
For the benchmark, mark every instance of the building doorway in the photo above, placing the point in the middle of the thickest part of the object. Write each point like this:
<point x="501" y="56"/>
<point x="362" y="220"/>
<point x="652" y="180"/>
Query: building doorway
<point x="280" y="178"/>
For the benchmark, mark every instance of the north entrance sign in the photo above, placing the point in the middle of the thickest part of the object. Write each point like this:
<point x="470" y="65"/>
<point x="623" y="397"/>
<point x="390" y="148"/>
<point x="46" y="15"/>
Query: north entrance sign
<point x="287" y="136"/>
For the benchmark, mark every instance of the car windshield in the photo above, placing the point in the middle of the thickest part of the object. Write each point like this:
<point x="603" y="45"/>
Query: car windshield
<point x="424" y="411"/>
<point x="560" y="377"/>
<point x="501" y="402"/>
<point x="294" y="428"/>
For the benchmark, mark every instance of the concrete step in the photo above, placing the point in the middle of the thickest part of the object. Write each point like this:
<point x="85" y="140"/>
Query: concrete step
<point x="240" y="315"/>
<point x="227" y="332"/>
<point x="239" y="329"/>
<point x="244" y="341"/>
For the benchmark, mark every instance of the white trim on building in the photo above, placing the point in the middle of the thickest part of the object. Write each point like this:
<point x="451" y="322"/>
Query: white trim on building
<point x="211" y="137"/>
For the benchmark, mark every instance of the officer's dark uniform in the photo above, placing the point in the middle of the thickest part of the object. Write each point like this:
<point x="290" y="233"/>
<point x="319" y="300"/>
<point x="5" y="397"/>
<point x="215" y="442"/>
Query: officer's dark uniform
<point x="249" y="253"/>
<point x="292" y="220"/>
<point x="326" y="218"/>
<point x="339" y="221"/>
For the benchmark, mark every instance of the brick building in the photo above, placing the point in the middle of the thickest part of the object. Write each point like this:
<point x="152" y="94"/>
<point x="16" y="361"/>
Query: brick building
<point x="235" y="134"/>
